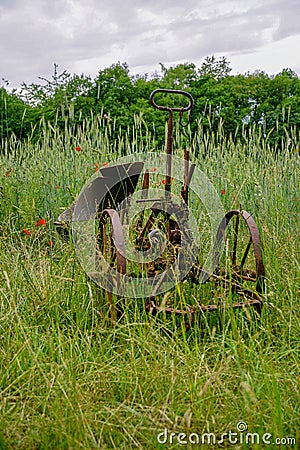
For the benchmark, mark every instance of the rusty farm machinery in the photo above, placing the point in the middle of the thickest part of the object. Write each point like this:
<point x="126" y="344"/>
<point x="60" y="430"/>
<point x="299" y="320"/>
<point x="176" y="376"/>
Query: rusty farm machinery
<point x="164" y="240"/>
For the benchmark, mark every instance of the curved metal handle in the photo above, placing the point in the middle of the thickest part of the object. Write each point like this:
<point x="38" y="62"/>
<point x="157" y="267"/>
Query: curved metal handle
<point x="169" y="108"/>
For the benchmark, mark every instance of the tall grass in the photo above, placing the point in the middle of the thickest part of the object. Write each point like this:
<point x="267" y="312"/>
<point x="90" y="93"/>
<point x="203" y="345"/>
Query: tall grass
<point x="72" y="379"/>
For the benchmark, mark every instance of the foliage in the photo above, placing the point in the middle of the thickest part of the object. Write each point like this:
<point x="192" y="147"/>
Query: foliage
<point x="268" y="104"/>
<point x="215" y="68"/>
<point x="15" y="116"/>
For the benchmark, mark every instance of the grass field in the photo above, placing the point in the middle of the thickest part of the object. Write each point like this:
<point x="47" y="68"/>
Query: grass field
<point x="72" y="379"/>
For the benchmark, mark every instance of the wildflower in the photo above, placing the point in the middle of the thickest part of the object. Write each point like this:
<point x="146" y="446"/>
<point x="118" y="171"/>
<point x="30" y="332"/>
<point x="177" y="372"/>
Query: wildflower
<point x="165" y="181"/>
<point x="96" y="167"/>
<point x="51" y="243"/>
<point x="8" y="172"/>
<point x="105" y="164"/>
<point x="154" y="169"/>
<point x="27" y="232"/>
<point x="223" y="192"/>
<point x="78" y="149"/>
<point x="57" y="186"/>
<point x="40" y="222"/>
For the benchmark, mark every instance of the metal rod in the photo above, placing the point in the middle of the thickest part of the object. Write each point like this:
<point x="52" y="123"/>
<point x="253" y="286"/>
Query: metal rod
<point x="145" y="185"/>
<point x="236" y="232"/>
<point x="186" y="174"/>
<point x="246" y="252"/>
<point x="145" y="200"/>
<point x="169" y="152"/>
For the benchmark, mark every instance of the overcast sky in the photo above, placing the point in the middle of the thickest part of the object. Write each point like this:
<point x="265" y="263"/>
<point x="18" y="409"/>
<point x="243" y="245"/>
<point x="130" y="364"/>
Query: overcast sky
<point x="89" y="35"/>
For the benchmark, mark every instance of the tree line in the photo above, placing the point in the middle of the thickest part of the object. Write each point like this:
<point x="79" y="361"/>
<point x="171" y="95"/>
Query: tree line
<point x="236" y="104"/>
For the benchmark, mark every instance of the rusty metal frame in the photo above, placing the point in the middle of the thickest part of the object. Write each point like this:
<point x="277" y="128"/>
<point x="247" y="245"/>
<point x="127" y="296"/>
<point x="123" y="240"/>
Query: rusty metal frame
<point x="116" y="192"/>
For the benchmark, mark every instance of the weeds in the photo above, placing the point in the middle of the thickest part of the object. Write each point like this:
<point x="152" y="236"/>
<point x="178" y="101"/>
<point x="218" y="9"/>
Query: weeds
<point x="69" y="379"/>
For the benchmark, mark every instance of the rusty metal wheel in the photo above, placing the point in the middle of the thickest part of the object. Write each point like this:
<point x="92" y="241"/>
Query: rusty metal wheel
<point x="241" y="267"/>
<point x="111" y="243"/>
<point x="111" y="240"/>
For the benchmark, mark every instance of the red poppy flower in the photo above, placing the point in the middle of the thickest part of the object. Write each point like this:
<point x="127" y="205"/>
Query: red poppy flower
<point x="223" y="192"/>
<point x="163" y="181"/>
<point x="96" y="167"/>
<point x="27" y="232"/>
<point x="105" y="164"/>
<point x="40" y="222"/>
<point x="8" y="172"/>
<point x="51" y="243"/>
<point x="78" y="148"/>
<point x="154" y="169"/>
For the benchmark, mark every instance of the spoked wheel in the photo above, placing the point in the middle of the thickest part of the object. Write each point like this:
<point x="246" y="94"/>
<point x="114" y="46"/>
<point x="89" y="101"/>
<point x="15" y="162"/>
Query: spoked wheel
<point x="110" y="240"/>
<point x="241" y="267"/>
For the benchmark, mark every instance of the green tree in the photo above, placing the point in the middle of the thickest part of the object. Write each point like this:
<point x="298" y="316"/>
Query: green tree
<point x="179" y="76"/>
<point x="114" y="90"/>
<point x="215" y="67"/>
<point x="60" y="98"/>
<point x="226" y="105"/>
<point x="15" y="116"/>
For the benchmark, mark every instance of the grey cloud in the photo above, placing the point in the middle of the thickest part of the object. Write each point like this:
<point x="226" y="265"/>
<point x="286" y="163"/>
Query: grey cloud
<point x="33" y="40"/>
<point x="288" y="13"/>
<point x="225" y="31"/>
<point x="35" y="34"/>
<point x="201" y="36"/>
